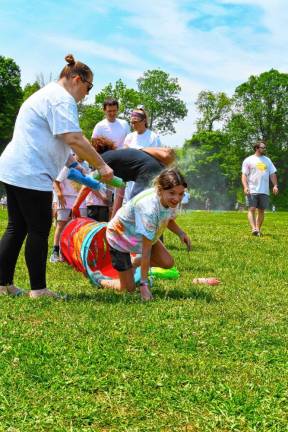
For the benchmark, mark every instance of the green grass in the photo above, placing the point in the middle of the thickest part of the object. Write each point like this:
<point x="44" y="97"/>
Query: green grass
<point x="195" y="359"/>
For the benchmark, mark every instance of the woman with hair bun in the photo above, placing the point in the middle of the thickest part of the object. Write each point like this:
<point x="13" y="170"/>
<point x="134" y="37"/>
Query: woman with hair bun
<point x="46" y="133"/>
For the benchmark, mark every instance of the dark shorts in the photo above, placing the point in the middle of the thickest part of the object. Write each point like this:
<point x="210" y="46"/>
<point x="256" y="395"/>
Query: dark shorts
<point x="98" y="213"/>
<point x="121" y="261"/>
<point x="260" y="201"/>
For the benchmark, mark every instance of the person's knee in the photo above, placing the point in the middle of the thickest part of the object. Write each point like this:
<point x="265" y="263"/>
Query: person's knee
<point x="168" y="262"/>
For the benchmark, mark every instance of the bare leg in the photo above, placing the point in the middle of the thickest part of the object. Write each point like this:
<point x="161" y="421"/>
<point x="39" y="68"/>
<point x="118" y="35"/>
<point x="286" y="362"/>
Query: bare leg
<point x="252" y="218"/>
<point x="260" y="218"/>
<point x="59" y="228"/>
<point x="160" y="257"/>
<point x="124" y="283"/>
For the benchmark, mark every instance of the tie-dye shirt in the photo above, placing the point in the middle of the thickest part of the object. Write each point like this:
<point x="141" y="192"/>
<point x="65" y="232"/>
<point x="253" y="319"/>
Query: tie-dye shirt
<point x="143" y="215"/>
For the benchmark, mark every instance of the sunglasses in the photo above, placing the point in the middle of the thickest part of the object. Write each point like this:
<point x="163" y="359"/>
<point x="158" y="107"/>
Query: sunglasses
<point x="90" y="86"/>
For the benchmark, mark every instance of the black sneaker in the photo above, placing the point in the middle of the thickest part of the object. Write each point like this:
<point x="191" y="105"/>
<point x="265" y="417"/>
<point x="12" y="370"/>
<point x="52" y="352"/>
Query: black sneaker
<point x="255" y="233"/>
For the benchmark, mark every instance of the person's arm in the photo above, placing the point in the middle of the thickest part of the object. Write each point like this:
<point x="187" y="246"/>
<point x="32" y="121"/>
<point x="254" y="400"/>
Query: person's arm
<point x="118" y="199"/>
<point x="84" y="191"/>
<point x="245" y="184"/>
<point x="145" y="265"/>
<point x="164" y="155"/>
<point x="174" y="227"/>
<point x="273" y="178"/>
<point x="82" y="147"/>
<point x="59" y="193"/>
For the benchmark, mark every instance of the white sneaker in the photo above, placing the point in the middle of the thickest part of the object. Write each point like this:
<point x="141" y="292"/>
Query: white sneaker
<point x="46" y="293"/>
<point x="55" y="257"/>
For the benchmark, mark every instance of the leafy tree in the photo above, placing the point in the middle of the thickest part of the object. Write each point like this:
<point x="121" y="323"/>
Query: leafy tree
<point x="89" y="115"/>
<point x="159" y="94"/>
<point x="205" y="164"/>
<point x="128" y="98"/>
<point x="213" y="107"/>
<point x="10" y="98"/>
<point x="29" y="89"/>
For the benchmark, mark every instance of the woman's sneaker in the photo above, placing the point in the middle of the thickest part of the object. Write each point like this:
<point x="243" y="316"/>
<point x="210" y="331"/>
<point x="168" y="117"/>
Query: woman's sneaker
<point x="46" y="293"/>
<point x="12" y="290"/>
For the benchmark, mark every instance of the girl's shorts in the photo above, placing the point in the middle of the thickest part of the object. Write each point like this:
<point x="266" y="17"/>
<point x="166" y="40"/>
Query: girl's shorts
<point x="121" y="261"/>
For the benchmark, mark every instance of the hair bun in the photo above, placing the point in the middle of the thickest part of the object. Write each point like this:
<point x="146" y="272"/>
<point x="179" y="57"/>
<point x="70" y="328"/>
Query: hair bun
<point x="70" y="59"/>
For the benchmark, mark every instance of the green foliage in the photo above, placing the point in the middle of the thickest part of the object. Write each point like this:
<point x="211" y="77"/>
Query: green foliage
<point x="160" y="97"/>
<point x="197" y="358"/>
<point x="29" y="89"/>
<point x="89" y="115"/>
<point x="206" y="166"/>
<point x="213" y="107"/>
<point x="128" y="98"/>
<point x="10" y="98"/>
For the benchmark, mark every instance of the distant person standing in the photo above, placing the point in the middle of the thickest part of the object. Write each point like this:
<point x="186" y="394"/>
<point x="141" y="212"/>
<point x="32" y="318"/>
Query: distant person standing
<point x="207" y="204"/>
<point x="112" y="127"/>
<point x="140" y="138"/>
<point x="256" y="172"/>
<point x="185" y="201"/>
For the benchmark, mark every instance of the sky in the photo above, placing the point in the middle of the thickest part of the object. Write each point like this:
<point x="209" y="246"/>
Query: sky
<point x="207" y="44"/>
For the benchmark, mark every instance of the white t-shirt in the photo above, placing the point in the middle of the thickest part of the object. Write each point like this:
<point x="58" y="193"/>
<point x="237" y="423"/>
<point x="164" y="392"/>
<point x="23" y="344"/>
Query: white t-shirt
<point x="186" y="197"/>
<point x="139" y="141"/>
<point x="258" y="170"/>
<point x="35" y="155"/>
<point x="116" y="131"/>
<point x="69" y="189"/>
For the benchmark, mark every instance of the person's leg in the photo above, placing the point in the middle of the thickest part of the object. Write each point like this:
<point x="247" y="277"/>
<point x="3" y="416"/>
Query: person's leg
<point x="251" y="202"/>
<point x="259" y="219"/>
<point x="63" y="216"/>
<point x="13" y="238"/>
<point x="160" y="257"/>
<point x="263" y="203"/>
<point x="124" y="283"/>
<point x="36" y="209"/>
<point x="252" y="218"/>
<point x="121" y="262"/>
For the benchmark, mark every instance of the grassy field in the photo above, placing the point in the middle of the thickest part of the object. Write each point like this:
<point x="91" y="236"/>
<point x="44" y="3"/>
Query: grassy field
<point x="195" y="359"/>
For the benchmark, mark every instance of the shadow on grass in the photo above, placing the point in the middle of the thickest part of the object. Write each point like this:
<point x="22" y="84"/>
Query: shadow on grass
<point x="105" y="296"/>
<point x="192" y="293"/>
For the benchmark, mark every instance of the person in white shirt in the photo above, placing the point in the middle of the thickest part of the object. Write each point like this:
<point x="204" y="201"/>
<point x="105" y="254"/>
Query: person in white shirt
<point x="142" y="137"/>
<point x="112" y="127"/>
<point x="46" y="129"/>
<point x="257" y="170"/>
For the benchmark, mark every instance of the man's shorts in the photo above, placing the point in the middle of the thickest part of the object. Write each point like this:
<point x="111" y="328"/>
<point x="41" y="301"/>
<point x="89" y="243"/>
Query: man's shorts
<point x="65" y="214"/>
<point x="121" y="261"/>
<point x="260" y="201"/>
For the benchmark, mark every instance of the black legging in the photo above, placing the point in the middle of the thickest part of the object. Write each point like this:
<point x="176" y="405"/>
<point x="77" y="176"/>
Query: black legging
<point x="29" y="214"/>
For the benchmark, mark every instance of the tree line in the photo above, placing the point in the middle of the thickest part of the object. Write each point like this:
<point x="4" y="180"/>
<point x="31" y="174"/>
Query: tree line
<point x="226" y="127"/>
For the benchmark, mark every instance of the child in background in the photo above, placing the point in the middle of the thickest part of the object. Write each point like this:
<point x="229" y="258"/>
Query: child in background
<point x="66" y="191"/>
<point x="98" y="204"/>
<point x="136" y="229"/>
